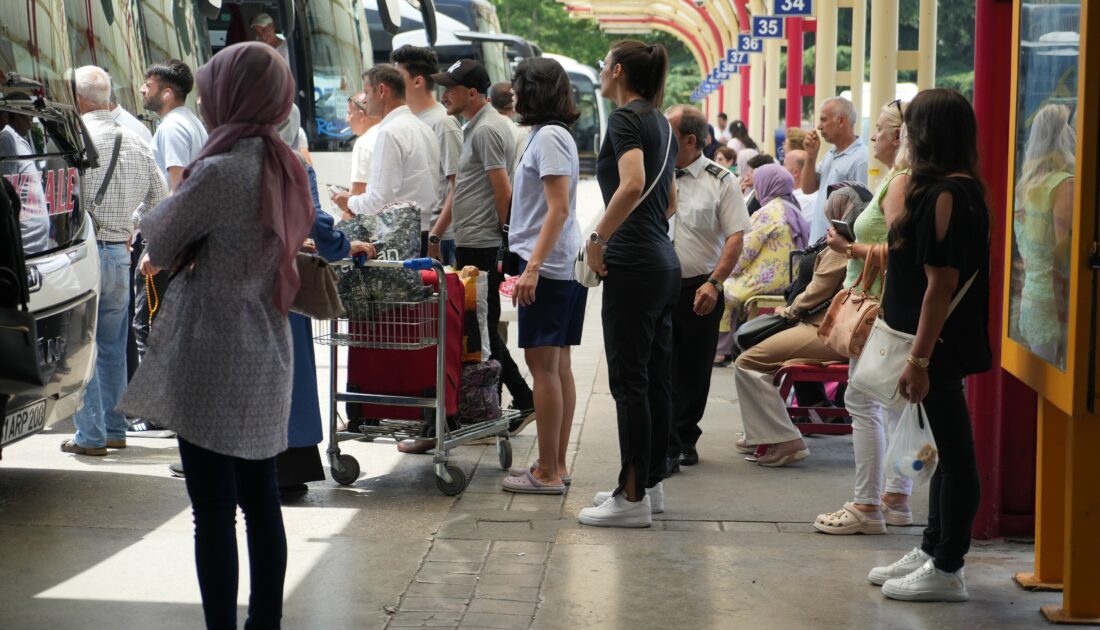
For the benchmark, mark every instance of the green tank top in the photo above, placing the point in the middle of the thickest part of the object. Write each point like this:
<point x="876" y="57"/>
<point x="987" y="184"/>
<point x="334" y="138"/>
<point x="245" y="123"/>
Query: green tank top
<point x="870" y="229"/>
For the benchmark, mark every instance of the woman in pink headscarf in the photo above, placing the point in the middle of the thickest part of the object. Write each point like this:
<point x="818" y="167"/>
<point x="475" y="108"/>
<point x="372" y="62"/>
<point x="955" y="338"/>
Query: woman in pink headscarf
<point x="218" y="368"/>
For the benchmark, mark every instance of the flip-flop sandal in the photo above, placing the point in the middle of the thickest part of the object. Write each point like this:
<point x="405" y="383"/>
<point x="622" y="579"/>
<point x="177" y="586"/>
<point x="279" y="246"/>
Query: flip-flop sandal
<point x="527" y="484"/>
<point x="849" y="520"/>
<point x="518" y="472"/>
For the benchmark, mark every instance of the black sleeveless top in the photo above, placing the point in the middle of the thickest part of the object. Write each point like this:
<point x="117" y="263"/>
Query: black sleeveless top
<point x="964" y="346"/>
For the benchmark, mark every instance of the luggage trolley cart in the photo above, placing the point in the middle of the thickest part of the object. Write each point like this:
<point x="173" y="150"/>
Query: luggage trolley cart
<point x="403" y="326"/>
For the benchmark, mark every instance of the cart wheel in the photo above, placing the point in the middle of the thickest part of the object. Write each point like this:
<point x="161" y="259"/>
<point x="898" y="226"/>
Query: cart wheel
<point x="350" y="472"/>
<point x="457" y="485"/>
<point x="504" y="451"/>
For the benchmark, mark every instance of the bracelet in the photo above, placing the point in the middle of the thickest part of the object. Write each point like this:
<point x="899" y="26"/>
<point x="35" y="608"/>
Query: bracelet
<point x="917" y="362"/>
<point x="848" y="251"/>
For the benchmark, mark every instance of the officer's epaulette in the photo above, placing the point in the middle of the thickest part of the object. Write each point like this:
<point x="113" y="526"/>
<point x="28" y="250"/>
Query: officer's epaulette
<point x="718" y="171"/>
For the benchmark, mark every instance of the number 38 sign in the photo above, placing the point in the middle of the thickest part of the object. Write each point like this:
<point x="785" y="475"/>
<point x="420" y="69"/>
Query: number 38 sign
<point x="796" y="8"/>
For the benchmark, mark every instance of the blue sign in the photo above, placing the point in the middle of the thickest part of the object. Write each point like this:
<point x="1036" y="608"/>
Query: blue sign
<point x="795" y="8"/>
<point x="726" y="66"/>
<point x="737" y="58"/>
<point x="748" y="43"/>
<point x="723" y="76"/>
<point x="767" y="27"/>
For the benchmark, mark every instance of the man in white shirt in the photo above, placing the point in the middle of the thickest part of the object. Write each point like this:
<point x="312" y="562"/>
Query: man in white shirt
<point x="708" y="232"/>
<point x="125" y="119"/>
<point x="417" y="64"/>
<point x="794" y="161"/>
<point x="264" y="27"/>
<point x="405" y="161"/>
<point x="365" y="126"/>
<point x="722" y="129"/>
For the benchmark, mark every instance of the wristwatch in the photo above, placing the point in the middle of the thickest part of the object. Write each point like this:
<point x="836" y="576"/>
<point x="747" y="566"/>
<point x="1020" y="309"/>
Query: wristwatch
<point x="433" y="239"/>
<point x="918" y="362"/>
<point x="594" y="237"/>
<point x="716" y="282"/>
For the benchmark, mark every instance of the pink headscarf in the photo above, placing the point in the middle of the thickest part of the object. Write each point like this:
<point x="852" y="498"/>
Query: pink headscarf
<point x="246" y="92"/>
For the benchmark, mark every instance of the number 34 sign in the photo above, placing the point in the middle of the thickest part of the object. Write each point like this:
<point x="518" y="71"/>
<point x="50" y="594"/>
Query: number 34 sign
<point x="786" y="8"/>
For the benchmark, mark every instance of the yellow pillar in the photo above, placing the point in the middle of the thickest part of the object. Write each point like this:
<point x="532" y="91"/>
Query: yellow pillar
<point x="772" y="52"/>
<point x="926" y="48"/>
<point x="884" y="67"/>
<point x="1050" y="500"/>
<point x="859" y="53"/>
<point x="824" y="60"/>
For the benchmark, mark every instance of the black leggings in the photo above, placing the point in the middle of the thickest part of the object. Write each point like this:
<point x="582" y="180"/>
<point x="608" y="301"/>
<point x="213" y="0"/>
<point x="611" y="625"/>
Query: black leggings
<point x="217" y="484"/>
<point x="637" y="332"/>
<point x="955" y="488"/>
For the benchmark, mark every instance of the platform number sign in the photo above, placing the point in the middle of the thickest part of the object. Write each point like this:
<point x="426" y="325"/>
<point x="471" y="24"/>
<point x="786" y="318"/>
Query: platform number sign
<point x="737" y="58"/>
<point x="749" y="44"/>
<point x="767" y="27"/>
<point x="795" y="8"/>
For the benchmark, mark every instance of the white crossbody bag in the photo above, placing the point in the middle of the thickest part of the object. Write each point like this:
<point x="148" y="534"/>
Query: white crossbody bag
<point x="582" y="273"/>
<point x="879" y="367"/>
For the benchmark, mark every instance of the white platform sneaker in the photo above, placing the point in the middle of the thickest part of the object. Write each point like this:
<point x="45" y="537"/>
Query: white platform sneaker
<point x="656" y="496"/>
<point x="928" y="584"/>
<point x="909" y="562"/>
<point x="616" y="511"/>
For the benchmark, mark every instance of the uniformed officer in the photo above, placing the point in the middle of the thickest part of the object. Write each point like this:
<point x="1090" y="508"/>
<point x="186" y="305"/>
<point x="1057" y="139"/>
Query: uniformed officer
<point x="707" y="231"/>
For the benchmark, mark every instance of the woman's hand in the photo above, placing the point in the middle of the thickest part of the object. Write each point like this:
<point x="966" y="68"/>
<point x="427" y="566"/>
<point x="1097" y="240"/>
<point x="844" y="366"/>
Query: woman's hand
<point x="594" y="258"/>
<point x="359" y="248"/>
<point x="309" y="246"/>
<point x="836" y="242"/>
<point x="524" y="293"/>
<point x="913" y="384"/>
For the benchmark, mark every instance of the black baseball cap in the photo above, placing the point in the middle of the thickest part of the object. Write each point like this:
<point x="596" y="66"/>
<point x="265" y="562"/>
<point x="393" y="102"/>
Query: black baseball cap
<point x="466" y="73"/>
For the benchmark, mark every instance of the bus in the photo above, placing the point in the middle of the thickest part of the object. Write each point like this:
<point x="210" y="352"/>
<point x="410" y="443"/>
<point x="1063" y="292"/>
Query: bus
<point x="594" y="109"/>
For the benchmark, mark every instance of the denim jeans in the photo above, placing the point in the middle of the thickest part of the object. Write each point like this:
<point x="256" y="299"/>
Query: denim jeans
<point x="217" y="484"/>
<point x="98" y="421"/>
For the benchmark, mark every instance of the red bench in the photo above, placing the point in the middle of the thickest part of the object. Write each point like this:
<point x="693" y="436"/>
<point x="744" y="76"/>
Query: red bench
<point x="795" y="372"/>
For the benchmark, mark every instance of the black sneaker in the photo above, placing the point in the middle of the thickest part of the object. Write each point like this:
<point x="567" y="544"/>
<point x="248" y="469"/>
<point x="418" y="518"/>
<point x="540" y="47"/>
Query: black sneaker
<point x="144" y="428"/>
<point x="517" y="425"/>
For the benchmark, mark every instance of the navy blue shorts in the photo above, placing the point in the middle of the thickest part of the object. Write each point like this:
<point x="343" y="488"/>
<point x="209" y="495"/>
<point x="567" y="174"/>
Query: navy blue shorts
<point x="557" y="316"/>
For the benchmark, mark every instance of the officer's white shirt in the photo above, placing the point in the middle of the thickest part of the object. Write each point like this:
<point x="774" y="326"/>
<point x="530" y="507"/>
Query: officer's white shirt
<point x="709" y="210"/>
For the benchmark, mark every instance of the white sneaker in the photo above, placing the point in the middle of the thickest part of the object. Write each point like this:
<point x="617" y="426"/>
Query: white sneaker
<point x="616" y="511"/>
<point x="909" y="562"/>
<point x="928" y="584"/>
<point x="656" y="496"/>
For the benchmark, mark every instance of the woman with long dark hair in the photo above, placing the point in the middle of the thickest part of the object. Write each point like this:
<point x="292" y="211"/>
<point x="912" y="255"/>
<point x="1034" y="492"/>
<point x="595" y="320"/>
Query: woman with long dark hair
<point x="739" y="137"/>
<point x="631" y="250"/>
<point x="544" y="233"/>
<point x="939" y="248"/>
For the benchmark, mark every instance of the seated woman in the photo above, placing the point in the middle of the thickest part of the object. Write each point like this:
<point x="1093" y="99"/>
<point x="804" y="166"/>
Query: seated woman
<point x="763" y="413"/>
<point x="764" y="267"/>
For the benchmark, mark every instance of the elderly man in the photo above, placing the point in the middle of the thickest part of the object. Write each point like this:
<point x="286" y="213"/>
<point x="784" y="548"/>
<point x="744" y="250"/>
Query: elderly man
<point x="845" y="161"/>
<point x="707" y="231"/>
<point x="264" y="27"/>
<point x="126" y="184"/>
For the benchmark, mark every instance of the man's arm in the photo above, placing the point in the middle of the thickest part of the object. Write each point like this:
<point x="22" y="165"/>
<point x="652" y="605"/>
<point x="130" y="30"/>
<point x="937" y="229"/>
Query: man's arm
<point x="175" y="175"/>
<point x="502" y="192"/>
<point x="809" y="180"/>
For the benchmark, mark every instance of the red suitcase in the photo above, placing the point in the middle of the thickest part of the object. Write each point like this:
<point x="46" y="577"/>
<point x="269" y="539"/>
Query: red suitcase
<point x="410" y="372"/>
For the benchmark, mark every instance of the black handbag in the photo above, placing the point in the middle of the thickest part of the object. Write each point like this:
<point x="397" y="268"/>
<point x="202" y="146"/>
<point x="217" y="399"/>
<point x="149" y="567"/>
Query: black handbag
<point x="21" y="369"/>
<point x="758" y="329"/>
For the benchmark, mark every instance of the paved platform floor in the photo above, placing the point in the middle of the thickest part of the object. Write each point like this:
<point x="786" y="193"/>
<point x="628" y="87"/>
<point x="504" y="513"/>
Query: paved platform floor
<point x="107" y="542"/>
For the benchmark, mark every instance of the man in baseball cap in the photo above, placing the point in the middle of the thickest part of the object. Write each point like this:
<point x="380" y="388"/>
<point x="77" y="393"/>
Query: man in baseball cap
<point x="465" y="73"/>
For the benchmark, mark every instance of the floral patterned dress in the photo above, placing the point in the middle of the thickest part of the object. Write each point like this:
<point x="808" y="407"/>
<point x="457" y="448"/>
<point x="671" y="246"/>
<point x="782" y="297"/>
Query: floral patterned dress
<point x="765" y="264"/>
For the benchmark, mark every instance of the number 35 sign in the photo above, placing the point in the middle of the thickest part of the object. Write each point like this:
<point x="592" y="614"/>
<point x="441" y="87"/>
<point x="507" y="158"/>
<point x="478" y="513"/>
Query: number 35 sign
<point x="796" y="8"/>
<point x="767" y="27"/>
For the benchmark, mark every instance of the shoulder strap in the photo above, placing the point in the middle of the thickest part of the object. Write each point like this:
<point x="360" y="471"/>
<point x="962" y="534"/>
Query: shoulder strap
<point x="664" y="166"/>
<point x="959" y="296"/>
<point x="102" y="192"/>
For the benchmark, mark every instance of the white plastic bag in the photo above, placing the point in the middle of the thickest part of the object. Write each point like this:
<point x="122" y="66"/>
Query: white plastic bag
<point x="912" y="451"/>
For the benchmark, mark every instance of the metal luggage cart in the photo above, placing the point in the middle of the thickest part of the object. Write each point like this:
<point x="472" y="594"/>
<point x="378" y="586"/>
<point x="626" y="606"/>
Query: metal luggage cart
<point x="403" y="326"/>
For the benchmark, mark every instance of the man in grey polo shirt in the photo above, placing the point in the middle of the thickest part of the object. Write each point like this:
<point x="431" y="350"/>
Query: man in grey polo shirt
<point x="482" y="200"/>
<point x="845" y="161"/>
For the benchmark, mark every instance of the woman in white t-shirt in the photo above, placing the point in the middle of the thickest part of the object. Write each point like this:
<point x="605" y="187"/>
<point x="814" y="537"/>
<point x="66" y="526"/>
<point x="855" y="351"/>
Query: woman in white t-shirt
<point x="543" y="231"/>
<point x="365" y="126"/>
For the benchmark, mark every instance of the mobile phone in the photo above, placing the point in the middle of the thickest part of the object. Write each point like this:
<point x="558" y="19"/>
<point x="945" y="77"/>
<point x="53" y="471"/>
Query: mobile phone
<point x="842" y="228"/>
<point x="333" y="189"/>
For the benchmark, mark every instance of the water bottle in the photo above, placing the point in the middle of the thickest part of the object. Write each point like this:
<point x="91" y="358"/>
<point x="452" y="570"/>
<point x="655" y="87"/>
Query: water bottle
<point x="908" y="466"/>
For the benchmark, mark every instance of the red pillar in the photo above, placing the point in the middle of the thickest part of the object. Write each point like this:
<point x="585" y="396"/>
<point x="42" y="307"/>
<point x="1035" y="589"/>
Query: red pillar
<point x="1002" y="409"/>
<point x="794" y="72"/>
<point x="743" y="20"/>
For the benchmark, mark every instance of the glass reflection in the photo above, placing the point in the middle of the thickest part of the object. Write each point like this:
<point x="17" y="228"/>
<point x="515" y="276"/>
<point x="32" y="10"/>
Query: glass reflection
<point x="1043" y="191"/>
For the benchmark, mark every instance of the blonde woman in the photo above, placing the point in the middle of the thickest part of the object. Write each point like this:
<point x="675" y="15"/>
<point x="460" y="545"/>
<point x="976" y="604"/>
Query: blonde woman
<point x="871" y="510"/>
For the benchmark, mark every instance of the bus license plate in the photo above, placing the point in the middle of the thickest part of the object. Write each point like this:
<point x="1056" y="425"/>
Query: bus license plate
<point x="23" y="422"/>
